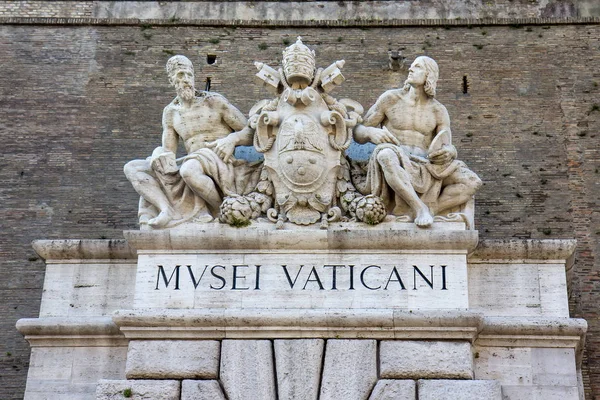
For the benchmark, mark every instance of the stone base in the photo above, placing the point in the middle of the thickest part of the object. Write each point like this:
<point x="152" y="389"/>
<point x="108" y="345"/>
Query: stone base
<point x="453" y="336"/>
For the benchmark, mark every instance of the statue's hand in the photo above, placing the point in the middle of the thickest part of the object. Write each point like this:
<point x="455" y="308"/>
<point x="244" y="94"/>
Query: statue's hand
<point x="379" y="136"/>
<point x="443" y="155"/>
<point x="223" y="147"/>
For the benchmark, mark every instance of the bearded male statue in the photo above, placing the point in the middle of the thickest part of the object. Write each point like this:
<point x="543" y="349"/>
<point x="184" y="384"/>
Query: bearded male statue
<point x="191" y="188"/>
<point x="414" y="167"/>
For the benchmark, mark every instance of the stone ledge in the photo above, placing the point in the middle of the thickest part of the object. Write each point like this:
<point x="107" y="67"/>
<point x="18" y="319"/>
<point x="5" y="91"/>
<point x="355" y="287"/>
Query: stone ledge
<point x="71" y="331"/>
<point x="507" y="250"/>
<point x="298" y="324"/>
<point x="84" y="249"/>
<point x="264" y="236"/>
<point x="356" y="323"/>
<point x="533" y="332"/>
<point x="261" y="23"/>
<point x="302" y="323"/>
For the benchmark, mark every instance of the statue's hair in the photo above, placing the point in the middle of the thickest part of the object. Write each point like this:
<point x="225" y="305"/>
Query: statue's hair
<point x="433" y="73"/>
<point x="177" y="62"/>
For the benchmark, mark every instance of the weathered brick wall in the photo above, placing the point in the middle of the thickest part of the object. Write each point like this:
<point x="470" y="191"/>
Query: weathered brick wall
<point x="46" y="9"/>
<point x="78" y="102"/>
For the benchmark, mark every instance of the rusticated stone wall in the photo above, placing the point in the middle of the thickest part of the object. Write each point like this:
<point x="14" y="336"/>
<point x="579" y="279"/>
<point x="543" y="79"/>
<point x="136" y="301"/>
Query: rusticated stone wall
<point x="78" y="101"/>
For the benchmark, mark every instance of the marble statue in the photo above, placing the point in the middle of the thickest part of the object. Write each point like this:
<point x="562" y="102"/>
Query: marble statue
<point x="191" y="188"/>
<point x="413" y="168"/>
<point x="303" y="133"/>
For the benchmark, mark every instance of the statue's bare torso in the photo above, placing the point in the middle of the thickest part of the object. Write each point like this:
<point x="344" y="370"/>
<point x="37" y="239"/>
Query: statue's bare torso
<point x="413" y="123"/>
<point x="198" y="124"/>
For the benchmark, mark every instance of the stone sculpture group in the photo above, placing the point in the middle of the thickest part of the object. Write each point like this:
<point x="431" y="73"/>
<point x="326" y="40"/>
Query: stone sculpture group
<point x="303" y="133"/>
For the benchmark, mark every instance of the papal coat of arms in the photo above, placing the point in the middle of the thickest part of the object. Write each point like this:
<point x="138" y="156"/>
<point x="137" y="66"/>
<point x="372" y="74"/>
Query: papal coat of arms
<point x="303" y="134"/>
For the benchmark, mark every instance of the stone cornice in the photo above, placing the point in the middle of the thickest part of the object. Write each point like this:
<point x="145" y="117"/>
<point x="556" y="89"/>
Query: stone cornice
<point x="262" y="23"/>
<point x="228" y="238"/>
<point x="338" y="237"/>
<point x="506" y="250"/>
<point x="70" y="331"/>
<point x="381" y="324"/>
<point x="84" y="249"/>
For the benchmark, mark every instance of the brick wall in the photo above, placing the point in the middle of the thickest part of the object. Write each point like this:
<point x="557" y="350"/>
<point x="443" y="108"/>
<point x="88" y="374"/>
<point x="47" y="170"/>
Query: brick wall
<point x="78" y="102"/>
<point x="46" y="9"/>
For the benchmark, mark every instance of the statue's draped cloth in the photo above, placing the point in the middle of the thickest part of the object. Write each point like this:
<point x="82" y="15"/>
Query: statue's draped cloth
<point x="236" y="177"/>
<point x="425" y="177"/>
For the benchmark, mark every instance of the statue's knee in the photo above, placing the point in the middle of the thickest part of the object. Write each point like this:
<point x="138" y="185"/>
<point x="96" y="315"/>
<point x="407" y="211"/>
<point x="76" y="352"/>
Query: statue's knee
<point x="386" y="157"/>
<point x="131" y="169"/>
<point x="473" y="183"/>
<point x="189" y="169"/>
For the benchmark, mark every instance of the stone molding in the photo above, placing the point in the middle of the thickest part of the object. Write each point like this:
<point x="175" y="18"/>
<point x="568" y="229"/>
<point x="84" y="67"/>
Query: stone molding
<point x="83" y="250"/>
<point x="197" y="324"/>
<point x="337" y="237"/>
<point x="486" y="250"/>
<point x="262" y="23"/>
<point x="519" y="250"/>
<point x="358" y="323"/>
<point x="71" y="331"/>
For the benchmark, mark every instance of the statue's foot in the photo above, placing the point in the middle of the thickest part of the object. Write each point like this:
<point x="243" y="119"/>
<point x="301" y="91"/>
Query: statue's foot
<point x="161" y="220"/>
<point x="204" y="218"/>
<point x="423" y="218"/>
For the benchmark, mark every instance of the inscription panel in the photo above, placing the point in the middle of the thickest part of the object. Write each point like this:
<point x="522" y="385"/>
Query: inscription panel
<point x="415" y="280"/>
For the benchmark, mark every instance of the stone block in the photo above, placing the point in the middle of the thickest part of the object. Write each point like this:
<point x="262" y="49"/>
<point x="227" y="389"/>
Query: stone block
<point x="72" y="372"/>
<point x="172" y="359"/>
<point x="523" y="392"/>
<point x="459" y="390"/>
<point x="247" y="369"/>
<point x="509" y="365"/>
<point x="553" y="367"/>
<point x="350" y="370"/>
<point x="298" y="366"/>
<point x="138" y="390"/>
<point x="402" y="359"/>
<point x="391" y="389"/>
<point x="201" y="390"/>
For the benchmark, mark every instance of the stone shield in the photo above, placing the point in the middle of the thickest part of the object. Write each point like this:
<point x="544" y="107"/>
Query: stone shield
<point x="301" y="148"/>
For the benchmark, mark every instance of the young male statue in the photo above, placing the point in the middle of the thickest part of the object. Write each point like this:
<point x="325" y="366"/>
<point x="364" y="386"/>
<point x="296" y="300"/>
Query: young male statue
<point x="414" y="156"/>
<point x="172" y="194"/>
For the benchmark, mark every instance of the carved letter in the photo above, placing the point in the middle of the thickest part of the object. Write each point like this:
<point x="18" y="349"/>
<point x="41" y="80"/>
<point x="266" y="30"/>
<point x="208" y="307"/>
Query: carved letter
<point x="362" y="277"/>
<point x="334" y="274"/>
<point x="427" y="281"/>
<point x="288" y="275"/>
<point x="257" y="287"/>
<point x="317" y="279"/>
<point x="444" y="277"/>
<point x="235" y="277"/>
<point x="398" y="279"/>
<point x="189" y="267"/>
<point x="161" y="271"/>
<point x="219" y="277"/>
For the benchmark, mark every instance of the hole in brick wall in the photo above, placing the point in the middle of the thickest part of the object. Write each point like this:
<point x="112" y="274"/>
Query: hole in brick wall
<point x="211" y="58"/>
<point x="465" y="85"/>
<point x="207" y="88"/>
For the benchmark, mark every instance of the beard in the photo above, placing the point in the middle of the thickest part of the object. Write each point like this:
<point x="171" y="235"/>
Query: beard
<point x="185" y="92"/>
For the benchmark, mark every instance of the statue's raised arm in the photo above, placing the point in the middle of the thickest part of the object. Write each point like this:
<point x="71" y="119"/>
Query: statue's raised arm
<point x="414" y="167"/>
